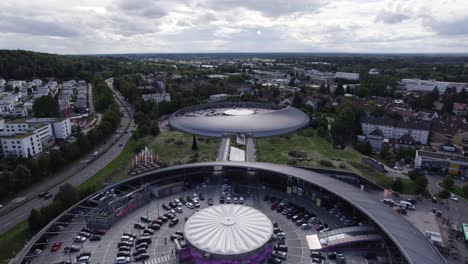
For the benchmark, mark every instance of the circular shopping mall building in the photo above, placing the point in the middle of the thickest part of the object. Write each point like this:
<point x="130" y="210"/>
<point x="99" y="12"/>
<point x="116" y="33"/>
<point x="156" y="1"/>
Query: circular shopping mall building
<point x="255" y="119"/>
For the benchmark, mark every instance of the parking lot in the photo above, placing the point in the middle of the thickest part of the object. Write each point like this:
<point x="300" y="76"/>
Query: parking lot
<point x="162" y="248"/>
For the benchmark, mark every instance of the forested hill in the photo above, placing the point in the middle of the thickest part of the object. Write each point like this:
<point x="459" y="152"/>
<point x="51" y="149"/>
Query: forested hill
<point x="25" y="65"/>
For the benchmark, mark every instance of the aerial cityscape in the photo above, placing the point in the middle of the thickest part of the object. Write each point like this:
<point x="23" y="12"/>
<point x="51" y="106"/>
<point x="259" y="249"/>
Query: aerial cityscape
<point x="233" y="132"/>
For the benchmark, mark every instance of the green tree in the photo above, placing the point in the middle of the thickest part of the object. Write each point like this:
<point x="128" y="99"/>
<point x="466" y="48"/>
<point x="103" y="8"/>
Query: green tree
<point x="448" y="104"/>
<point x="462" y="96"/>
<point x="35" y="221"/>
<point x="194" y="143"/>
<point x="22" y="176"/>
<point x="447" y="182"/>
<point x="362" y="92"/>
<point x="444" y="194"/>
<point x="385" y="151"/>
<point x="397" y="185"/>
<point x="46" y="106"/>
<point x="8" y="88"/>
<point x="297" y="100"/>
<point x="422" y="182"/>
<point x="339" y="91"/>
<point x="66" y="195"/>
<point x="465" y="189"/>
<point x="364" y="147"/>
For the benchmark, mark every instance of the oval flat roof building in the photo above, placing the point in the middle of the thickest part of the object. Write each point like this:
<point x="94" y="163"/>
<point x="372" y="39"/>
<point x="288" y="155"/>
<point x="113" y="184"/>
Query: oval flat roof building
<point x="256" y="119"/>
<point x="228" y="230"/>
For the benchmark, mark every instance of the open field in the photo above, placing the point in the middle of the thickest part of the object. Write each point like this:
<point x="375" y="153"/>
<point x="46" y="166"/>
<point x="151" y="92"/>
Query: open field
<point x="175" y="148"/>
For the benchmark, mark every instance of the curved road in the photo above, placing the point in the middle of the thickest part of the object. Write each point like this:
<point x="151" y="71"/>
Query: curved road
<point x="76" y="173"/>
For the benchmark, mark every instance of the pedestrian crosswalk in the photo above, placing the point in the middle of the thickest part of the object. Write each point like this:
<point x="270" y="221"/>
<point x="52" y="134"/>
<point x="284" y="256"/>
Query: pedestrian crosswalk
<point x="160" y="259"/>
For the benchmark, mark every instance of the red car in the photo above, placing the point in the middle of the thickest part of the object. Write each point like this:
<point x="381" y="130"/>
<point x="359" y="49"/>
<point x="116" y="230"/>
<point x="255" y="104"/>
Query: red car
<point x="100" y="232"/>
<point x="56" y="246"/>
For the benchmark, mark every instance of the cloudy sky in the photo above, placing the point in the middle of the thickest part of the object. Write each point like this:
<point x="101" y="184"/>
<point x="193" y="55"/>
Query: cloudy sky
<point x="127" y="26"/>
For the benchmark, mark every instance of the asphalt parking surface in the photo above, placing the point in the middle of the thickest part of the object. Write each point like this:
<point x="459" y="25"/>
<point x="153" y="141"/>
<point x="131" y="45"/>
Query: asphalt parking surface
<point x="161" y="249"/>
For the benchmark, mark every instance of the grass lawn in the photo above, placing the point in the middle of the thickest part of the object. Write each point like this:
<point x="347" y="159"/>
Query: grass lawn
<point x="317" y="149"/>
<point x="275" y="149"/>
<point x="175" y="148"/>
<point x="13" y="241"/>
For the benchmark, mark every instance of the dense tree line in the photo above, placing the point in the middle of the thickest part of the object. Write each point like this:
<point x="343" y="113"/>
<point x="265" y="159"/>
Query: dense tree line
<point x="25" y="65"/>
<point x="65" y="197"/>
<point x="46" y="106"/>
<point x="21" y="173"/>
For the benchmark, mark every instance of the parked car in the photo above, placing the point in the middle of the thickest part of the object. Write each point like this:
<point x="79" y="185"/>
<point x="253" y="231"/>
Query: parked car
<point x="95" y="238"/>
<point x="273" y="260"/>
<point x="139" y="226"/>
<point x="56" y="246"/>
<point x="145" y="219"/>
<point x="122" y="260"/>
<point x="173" y="222"/>
<point x="453" y="197"/>
<point x="154" y="227"/>
<point x="123" y="253"/>
<point x="281" y="247"/>
<point x="79" y="239"/>
<point x="280" y="254"/>
<point x="72" y="248"/>
<point x="210" y="201"/>
<point x="142" y="257"/>
<point x="241" y="200"/>
<point x="148" y="231"/>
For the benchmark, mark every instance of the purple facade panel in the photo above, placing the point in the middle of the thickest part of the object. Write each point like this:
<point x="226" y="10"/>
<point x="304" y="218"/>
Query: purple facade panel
<point x="255" y="258"/>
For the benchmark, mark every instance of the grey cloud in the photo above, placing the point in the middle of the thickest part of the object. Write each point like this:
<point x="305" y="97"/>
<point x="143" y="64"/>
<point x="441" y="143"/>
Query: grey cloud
<point x="391" y="17"/>
<point x="35" y="26"/>
<point x="456" y="27"/>
<point x="145" y="8"/>
<point x="271" y="8"/>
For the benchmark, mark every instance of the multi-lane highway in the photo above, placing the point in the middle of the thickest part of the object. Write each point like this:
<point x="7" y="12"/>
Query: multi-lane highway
<point x="76" y="173"/>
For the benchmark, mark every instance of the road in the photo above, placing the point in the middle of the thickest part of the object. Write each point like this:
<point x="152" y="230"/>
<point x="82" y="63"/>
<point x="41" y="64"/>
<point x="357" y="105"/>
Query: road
<point x="76" y="173"/>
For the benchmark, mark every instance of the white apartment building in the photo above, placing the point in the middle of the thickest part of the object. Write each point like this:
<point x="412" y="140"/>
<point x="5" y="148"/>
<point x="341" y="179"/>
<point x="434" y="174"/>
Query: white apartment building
<point x="21" y="145"/>
<point x="419" y="85"/>
<point x="61" y="127"/>
<point x="395" y="129"/>
<point x="43" y="130"/>
<point x="351" y="76"/>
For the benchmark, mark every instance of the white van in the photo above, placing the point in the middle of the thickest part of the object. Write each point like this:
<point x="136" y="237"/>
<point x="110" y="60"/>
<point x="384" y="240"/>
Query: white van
<point x="406" y="205"/>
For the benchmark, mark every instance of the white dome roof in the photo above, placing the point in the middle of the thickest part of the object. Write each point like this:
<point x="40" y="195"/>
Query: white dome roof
<point x="228" y="229"/>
